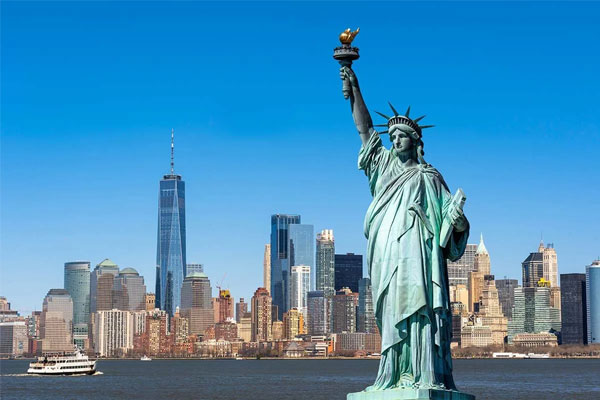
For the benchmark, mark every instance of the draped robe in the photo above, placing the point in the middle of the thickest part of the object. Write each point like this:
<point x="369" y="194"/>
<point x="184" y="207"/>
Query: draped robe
<point x="408" y="269"/>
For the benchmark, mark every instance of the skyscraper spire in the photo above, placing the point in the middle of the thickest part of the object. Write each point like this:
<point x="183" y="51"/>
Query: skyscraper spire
<point x="172" y="151"/>
<point x="481" y="248"/>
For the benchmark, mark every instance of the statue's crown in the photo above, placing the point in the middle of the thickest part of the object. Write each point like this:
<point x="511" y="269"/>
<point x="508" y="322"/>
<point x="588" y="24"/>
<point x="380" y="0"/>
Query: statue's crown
<point x="399" y="119"/>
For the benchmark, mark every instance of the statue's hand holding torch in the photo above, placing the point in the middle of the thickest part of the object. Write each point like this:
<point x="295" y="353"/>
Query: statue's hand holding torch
<point x="345" y="54"/>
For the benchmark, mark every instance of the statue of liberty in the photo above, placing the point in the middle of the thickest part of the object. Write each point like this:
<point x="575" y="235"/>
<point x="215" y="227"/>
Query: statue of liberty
<point x="412" y="226"/>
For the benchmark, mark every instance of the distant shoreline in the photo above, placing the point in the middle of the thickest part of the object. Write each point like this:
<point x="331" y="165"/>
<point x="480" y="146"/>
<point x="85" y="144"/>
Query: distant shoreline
<point x="307" y="358"/>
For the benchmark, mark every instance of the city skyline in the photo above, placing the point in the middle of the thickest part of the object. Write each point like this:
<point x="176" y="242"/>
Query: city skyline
<point x="510" y="130"/>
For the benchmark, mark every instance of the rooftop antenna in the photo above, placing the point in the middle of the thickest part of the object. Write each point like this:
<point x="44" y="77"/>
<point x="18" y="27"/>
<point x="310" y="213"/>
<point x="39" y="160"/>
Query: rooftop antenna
<point x="172" y="151"/>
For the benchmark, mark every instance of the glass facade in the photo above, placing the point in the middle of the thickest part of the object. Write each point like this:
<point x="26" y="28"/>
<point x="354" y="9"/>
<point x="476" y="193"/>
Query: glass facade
<point x="348" y="271"/>
<point x="77" y="283"/>
<point x="196" y="306"/>
<point x="325" y="262"/>
<point x="458" y="271"/>
<point x="302" y="248"/>
<point x="592" y="274"/>
<point x="101" y="285"/>
<point x="170" y="250"/>
<point x="318" y="313"/>
<point x="573" y="309"/>
<point x="56" y="328"/>
<point x="300" y="286"/>
<point x="280" y="260"/>
<point x="506" y="295"/>
<point x="129" y="292"/>
<point x="366" y="312"/>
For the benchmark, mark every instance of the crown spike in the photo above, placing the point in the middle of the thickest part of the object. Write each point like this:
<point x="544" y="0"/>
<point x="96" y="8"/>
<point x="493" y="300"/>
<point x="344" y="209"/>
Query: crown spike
<point x="393" y="109"/>
<point x="426" y="126"/>
<point x="383" y="115"/>
<point x="407" y="112"/>
<point x="418" y="119"/>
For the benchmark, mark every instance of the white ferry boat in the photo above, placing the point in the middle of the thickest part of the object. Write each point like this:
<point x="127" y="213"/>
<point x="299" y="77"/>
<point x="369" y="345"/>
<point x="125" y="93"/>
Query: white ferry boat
<point x="63" y="364"/>
<point x="145" y="358"/>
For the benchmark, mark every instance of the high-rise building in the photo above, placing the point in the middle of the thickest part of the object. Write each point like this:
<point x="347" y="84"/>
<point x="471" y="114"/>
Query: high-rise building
<point x="261" y="315"/>
<point x="366" y="312"/>
<point x="318" y="317"/>
<point x="77" y="283"/>
<point x="155" y="338"/>
<point x="56" y="328"/>
<point x="482" y="258"/>
<point x="280" y="260"/>
<point x="300" y="286"/>
<point x="245" y="327"/>
<point x="348" y="271"/>
<point x="241" y="308"/>
<point x="592" y="293"/>
<point x="129" y="291"/>
<point x="325" y="262"/>
<point x="459" y="294"/>
<point x="302" y="248"/>
<point x="458" y="271"/>
<point x="541" y="264"/>
<point x="150" y="301"/>
<point x="13" y="339"/>
<point x="490" y="311"/>
<point x="267" y="267"/>
<point x="196" y="302"/>
<point x="194" y="268"/>
<point x="573" y="309"/>
<point x="171" y="248"/>
<point x="344" y="311"/>
<point x="292" y="323"/>
<point x="506" y="295"/>
<point x="223" y="306"/>
<point x="476" y="282"/>
<point x="101" y="285"/>
<point x="532" y="312"/>
<point x="113" y="332"/>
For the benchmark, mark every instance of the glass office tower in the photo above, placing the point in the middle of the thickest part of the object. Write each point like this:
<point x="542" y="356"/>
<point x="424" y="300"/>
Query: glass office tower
<point x="302" y="248"/>
<point x="348" y="271"/>
<point x="170" y="250"/>
<point x="77" y="283"/>
<point x="280" y="260"/>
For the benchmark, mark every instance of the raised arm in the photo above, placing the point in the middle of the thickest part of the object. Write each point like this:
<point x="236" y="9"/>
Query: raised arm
<point x="362" y="118"/>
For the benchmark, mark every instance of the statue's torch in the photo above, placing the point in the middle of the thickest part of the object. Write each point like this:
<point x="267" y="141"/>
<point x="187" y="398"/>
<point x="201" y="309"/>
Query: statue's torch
<point x="345" y="54"/>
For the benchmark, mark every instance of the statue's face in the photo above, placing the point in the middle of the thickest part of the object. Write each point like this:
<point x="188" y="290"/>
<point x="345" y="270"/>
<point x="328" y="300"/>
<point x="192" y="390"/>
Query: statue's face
<point x="401" y="141"/>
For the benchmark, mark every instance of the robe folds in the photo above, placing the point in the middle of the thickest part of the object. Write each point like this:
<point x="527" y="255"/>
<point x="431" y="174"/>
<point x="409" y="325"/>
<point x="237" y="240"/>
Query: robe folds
<point x="408" y="270"/>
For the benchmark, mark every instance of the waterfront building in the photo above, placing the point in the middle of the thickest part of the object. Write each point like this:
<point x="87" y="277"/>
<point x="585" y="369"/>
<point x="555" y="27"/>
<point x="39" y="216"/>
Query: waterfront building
<point x="357" y="342"/>
<point x="150" y="300"/>
<point x="245" y="327"/>
<point x="227" y="330"/>
<point x="541" y="339"/>
<point x="223" y="306"/>
<point x="77" y="283"/>
<point x="280" y="260"/>
<point x="592" y="285"/>
<point x="318" y="314"/>
<point x="573" y="309"/>
<point x="344" y="311"/>
<point x="261" y="316"/>
<point x="366" y="312"/>
<point x="241" y="308"/>
<point x="194" y="268"/>
<point x="278" y="330"/>
<point x="129" y="291"/>
<point x="113" y="332"/>
<point x="56" y="328"/>
<point x="532" y="312"/>
<point x="180" y="328"/>
<point x="325" y="262"/>
<point x="541" y="264"/>
<point x="13" y="339"/>
<point x="171" y="242"/>
<point x="196" y="302"/>
<point x="267" y="267"/>
<point x="476" y="336"/>
<point x="101" y="285"/>
<point x="458" y="271"/>
<point x="302" y="250"/>
<point x="348" y="270"/>
<point x="292" y="323"/>
<point x="506" y="295"/>
<point x="155" y="340"/>
<point x="300" y="286"/>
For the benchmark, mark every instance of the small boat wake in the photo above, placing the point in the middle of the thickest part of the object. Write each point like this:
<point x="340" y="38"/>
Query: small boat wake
<point x="97" y="373"/>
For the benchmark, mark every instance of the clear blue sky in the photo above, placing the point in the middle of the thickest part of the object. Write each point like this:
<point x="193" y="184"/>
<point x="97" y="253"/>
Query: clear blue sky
<point x="90" y="92"/>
